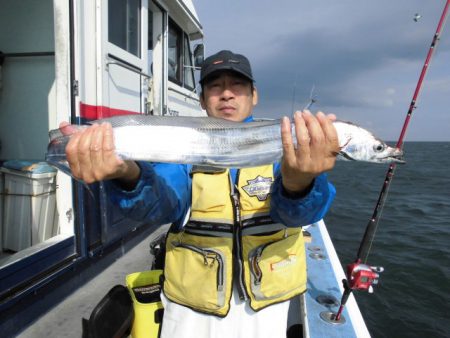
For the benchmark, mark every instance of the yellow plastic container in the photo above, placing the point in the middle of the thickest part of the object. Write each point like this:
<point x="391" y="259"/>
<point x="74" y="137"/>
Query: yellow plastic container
<point x="144" y="324"/>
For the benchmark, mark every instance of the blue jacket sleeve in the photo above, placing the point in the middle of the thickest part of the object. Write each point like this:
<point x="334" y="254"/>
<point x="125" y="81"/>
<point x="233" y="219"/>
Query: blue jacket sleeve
<point x="302" y="211"/>
<point x="161" y="196"/>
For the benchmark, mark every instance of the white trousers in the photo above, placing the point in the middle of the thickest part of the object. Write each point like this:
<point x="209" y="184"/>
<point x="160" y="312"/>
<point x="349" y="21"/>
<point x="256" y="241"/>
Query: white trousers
<point x="241" y="321"/>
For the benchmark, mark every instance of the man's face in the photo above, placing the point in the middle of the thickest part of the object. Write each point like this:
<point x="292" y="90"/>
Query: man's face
<point x="229" y="96"/>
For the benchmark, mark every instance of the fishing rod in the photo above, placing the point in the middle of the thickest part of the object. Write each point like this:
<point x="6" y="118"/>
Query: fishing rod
<point x="361" y="276"/>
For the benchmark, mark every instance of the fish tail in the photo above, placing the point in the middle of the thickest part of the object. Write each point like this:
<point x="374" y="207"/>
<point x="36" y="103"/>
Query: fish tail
<point x="56" y="154"/>
<point x="62" y="165"/>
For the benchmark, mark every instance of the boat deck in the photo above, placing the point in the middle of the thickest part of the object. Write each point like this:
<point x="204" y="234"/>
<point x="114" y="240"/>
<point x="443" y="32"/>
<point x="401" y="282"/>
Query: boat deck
<point x="324" y="279"/>
<point x="64" y="320"/>
<point x="325" y="275"/>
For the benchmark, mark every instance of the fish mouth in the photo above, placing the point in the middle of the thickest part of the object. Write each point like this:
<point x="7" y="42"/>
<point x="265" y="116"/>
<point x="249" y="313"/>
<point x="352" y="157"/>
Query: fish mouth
<point x="394" y="159"/>
<point x="396" y="156"/>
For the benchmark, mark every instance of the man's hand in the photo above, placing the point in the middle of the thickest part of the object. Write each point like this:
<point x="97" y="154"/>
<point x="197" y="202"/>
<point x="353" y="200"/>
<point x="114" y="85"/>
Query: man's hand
<point x="91" y="156"/>
<point x="315" y="153"/>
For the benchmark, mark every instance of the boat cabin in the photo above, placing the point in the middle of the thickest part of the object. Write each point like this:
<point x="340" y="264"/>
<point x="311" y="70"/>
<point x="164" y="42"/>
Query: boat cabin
<point x="77" y="61"/>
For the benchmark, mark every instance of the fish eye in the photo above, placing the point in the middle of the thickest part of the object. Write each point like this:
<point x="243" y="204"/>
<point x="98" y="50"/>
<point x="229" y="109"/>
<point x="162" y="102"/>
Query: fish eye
<point x="379" y="147"/>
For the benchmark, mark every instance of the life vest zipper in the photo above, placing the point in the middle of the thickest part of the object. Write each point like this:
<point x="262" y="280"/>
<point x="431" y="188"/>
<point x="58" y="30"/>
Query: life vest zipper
<point x="237" y="257"/>
<point x="254" y="265"/>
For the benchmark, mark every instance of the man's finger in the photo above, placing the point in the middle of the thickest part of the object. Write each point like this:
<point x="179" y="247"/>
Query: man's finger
<point x="329" y="132"/>
<point x="109" y="151"/>
<point x="67" y="129"/>
<point x="108" y="140"/>
<point x="303" y="137"/>
<point x="314" y="128"/>
<point x="96" y="151"/>
<point x="84" y="154"/>
<point x="72" y="155"/>
<point x="286" y="140"/>
<point x="331" y="117"/>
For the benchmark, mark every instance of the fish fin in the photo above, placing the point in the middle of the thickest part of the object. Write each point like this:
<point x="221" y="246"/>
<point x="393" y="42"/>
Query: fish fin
<point x="346" y="143"/>
<point x="342" y="153"/>
<point x="349" y="123"/>
<point x="346" y="156"/>
<point x="335" y="153"/>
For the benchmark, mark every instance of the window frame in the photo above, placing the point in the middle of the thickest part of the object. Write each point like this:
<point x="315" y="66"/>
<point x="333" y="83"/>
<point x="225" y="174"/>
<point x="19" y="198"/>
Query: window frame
<point x="183" y="41"/>
<point x="136" y="51"/>
<point x="188" y="67"/>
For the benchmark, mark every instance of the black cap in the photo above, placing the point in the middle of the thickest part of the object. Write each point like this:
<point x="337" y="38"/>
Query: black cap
<point x="226" y="60"/>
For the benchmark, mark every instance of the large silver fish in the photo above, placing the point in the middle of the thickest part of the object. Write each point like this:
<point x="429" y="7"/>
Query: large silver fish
<point x="217" y="142"/>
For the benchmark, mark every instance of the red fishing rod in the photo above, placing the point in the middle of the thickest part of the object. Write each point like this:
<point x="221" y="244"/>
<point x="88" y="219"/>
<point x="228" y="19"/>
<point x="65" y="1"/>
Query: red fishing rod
<point x="361" y="276"/>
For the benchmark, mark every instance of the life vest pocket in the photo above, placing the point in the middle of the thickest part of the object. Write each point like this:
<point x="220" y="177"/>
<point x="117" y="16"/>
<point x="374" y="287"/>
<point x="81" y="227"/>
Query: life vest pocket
<point x="277" y="269"/>
<point x="195" y="277"/>
<point x="205" y="196"/>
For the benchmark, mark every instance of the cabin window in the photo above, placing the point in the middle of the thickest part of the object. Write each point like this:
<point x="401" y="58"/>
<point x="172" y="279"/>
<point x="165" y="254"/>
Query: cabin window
<point x="181" y="70"/>
<point x="189" y="81"/>
<point x="124" y="24"/>
<point x="175" y="35"/>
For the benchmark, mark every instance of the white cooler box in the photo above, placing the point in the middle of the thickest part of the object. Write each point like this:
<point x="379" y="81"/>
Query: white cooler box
<point x="29" y="208"/>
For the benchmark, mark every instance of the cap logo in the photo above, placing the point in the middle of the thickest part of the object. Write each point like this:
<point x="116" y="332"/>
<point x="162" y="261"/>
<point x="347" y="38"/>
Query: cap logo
<point x="217" y="62"/>
<point x="233" y="61"/>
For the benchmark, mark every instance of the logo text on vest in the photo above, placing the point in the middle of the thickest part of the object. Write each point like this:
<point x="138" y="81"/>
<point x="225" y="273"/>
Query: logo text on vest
<point x="284" y="263"/>
<point x="258" y="187"/>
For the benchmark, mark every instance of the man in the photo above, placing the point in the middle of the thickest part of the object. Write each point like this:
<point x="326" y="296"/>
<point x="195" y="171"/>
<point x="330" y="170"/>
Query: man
<point x="235" y="251"/>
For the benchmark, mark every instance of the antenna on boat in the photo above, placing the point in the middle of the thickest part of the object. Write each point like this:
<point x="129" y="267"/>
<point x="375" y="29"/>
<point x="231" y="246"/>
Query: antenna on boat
<point x="361" y="276"/>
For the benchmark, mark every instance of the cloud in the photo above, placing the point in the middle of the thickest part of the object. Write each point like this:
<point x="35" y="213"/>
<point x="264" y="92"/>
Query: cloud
<point x="363" y="58"/>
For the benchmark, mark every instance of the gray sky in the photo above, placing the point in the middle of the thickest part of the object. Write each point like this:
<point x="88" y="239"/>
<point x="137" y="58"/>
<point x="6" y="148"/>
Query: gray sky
<point x="363" y="58"/>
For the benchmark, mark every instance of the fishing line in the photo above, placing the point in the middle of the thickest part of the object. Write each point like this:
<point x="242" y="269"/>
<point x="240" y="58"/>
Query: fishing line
<point x="312" y="99"/>
<point x="359" y="275"/>
<point x="294" y="89"/>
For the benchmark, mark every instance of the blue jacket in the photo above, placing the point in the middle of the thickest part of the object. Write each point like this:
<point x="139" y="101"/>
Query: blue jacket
<point x="163" y="195"/>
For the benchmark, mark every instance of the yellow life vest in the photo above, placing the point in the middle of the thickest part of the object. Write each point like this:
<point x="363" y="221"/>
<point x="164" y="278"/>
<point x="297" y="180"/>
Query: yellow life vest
<point x="230" y="234"/>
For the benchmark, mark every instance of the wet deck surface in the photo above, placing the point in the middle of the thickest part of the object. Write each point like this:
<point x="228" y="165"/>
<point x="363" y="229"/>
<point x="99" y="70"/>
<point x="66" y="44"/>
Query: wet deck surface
<point x="64" y="320"/>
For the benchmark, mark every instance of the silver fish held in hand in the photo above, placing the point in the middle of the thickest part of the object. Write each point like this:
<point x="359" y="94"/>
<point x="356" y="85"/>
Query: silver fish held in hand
<point x="216" y="142"/>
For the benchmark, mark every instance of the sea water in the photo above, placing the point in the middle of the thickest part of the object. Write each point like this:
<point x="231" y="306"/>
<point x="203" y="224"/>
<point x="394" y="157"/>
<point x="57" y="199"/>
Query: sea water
<point x="412" y="242"/>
